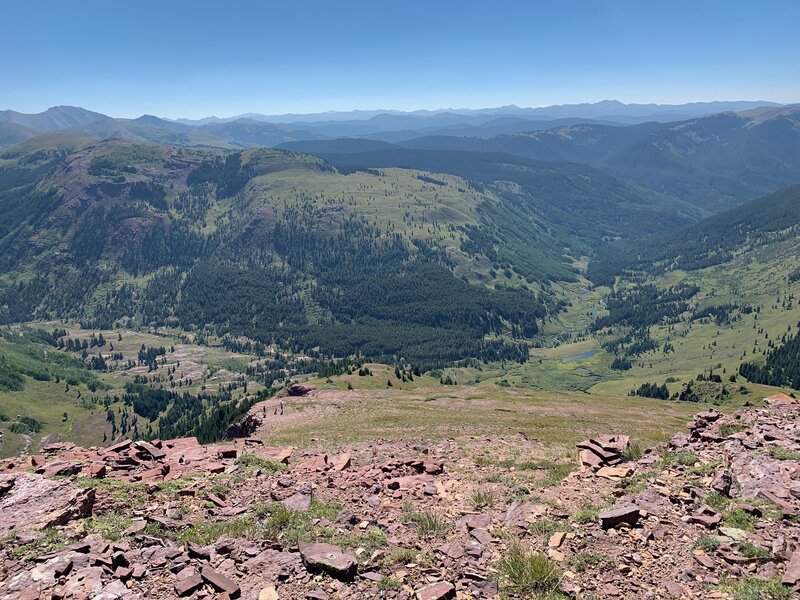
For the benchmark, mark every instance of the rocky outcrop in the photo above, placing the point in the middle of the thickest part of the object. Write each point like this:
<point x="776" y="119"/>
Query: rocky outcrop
<point x="406" y="519"/>
<point x="244" y="428"/>
<point x="604" y="450"/>
<point x="30" y="501"/>
<point x="258" y="416"/>
<point x="718" y="504"/>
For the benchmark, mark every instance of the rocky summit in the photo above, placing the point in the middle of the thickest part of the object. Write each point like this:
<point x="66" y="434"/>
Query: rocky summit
<point x="713" y="513"/>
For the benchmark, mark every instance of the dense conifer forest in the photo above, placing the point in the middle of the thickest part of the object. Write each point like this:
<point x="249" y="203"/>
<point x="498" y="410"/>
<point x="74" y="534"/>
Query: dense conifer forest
<point x="782" y="367"/>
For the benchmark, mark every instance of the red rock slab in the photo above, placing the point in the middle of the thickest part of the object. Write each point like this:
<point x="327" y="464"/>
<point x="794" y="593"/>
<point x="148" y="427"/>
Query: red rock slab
<point x="792" y="574"/>
<point x="60" y="469"/>
<point x="470" y="522"/>
<point x="433" y="468"/>
<point x="213" y="498"/>
<point x="120" y="446"/>
<point x="612" y="443"/>
<point x="136" y="527"/>
<point x="342" y="462"/>
<point x="220" y="582"/>
<point x="452" y="550"/>
<point x="187" y="581"/>
<point x="597" y="449"/>
<point x="149" y="449"/>
<point x="84" y="583"/>
<point x="276" y="453"/>
<point x="185" y="450"/>
<point x="628" y="514"/>
<point x="328" y="558"/>
<point x="156" y="474"/>
<point x="590" y="459"/>
<point x="710" y="415"/>
<point x="441" y="590"/>
<point x="33" y="501"/>
<point x="779" y="399"/>
<point x="706" y="520"/>
<point x="96" y="470"/>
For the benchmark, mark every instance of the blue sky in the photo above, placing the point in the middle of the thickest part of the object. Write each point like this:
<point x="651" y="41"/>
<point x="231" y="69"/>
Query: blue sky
<point x="193" y="59"/>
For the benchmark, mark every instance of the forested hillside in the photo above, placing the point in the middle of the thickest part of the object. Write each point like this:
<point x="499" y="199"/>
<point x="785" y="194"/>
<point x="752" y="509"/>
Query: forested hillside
<point x="582" y="207"/>
<point x="781" y="368"/>
<point x="774" y="219"/>
<point x="273" y="245"/>
<point x="714" y="162"/>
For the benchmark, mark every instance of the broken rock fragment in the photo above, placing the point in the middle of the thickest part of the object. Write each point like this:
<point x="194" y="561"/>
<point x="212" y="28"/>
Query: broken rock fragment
<point x="627" y="514"/>
<point x="220" y="582"/>
<point x="187" y="581"/>
<point x="328" y="558"/>
<point x="440" y="590"/>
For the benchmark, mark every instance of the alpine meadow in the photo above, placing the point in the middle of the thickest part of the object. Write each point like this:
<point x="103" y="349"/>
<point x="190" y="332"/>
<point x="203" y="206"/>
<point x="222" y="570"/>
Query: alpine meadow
<point x="318" y="349"/>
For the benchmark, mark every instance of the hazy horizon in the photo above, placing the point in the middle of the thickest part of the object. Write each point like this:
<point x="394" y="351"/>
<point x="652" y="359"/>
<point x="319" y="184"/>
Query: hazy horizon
<point x="192" y="61"/>
<point x="410" y="111"/>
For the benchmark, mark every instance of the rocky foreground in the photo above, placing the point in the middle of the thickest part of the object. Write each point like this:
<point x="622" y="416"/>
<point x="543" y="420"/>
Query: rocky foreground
<point x="715" y="513"/>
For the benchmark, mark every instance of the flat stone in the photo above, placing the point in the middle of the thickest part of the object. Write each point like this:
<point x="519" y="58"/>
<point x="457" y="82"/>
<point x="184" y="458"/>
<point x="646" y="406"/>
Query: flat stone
<point x="470" y="522"/>
<point x="268" y="593"/>
<point x="628" y="514"/>
<point x="197" y="551"/>
<point x="220" y="582"/>
<point x="119" y="447"/>
<point x="150" y="449"/>
<point x="114" y="590"/>
<point x="555" y="555"/>
<point x="453" y="550"/>
<point x="481" y="536"/>
<point x="214" y="499"/>
<point x="433" y="468"/>
<point x="135" y="527"/>
<point x="328" y="558"/>
<point x="706" y="517"/>
<point x="792" y="574"/>
<point x="674" y="589"/>
<point x="614" y="472"/>
<point x="187" y="581"/>
<point x="441" y="590"/>
<point x="705" y="560"/>
<point x="590" y="459"/>
<point x="300" y="500"/>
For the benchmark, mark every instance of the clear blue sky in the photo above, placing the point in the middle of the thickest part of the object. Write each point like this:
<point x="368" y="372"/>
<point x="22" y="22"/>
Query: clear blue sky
<point x="196" y="58"/>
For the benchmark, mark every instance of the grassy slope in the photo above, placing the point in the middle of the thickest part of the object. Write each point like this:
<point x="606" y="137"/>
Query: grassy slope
<point x="425" y="409"/>
<point x="396" y="200"/>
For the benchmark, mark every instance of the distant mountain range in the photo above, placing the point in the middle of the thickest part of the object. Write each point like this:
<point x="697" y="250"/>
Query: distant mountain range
<point x="708" y="158"/>
<point x="254" y="130"/>
<point x="713" y="162"/>
<point x="596" y="110"/>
